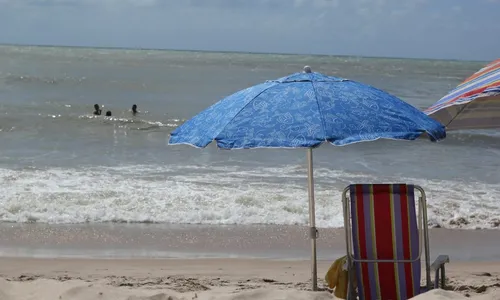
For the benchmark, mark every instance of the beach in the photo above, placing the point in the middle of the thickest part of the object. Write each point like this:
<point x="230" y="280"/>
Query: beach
<point x="120" y="261"/>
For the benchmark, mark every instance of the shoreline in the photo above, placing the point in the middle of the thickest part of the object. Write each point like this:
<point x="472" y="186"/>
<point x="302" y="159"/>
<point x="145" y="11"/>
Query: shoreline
<point x="125" y="241"/>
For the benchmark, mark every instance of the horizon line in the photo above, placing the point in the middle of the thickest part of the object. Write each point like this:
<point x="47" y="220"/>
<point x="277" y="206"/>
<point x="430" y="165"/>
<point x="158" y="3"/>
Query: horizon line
<point x="232" y="51"/>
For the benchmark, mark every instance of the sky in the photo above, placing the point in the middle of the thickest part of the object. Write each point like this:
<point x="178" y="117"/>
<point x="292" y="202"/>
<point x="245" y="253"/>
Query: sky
<point x="449" y="29"/>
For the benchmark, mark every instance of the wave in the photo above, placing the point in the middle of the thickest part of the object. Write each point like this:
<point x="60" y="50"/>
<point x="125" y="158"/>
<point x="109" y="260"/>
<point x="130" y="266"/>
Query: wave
<point x="473" y="138"/>
<point x="14" y="123"/>
<point x="29" y="79"/>
<point x="476" y="132"/>
<point x="142" y="124"/>
<point x="462" y="137"/>
<point x="214" y="194"/>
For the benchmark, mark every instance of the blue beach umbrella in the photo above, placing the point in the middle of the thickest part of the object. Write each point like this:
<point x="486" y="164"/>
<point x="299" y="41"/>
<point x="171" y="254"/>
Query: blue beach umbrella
<point x="304" y="110"/>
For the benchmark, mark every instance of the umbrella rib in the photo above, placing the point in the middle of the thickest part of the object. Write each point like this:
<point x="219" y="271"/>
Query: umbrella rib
<point x="458" y="113"/>
<point x="274" y="84"/>
<point x="319" y="111"/>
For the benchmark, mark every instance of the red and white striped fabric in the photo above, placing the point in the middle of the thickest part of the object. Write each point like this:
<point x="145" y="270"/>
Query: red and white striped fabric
<point x="473" y="104"/>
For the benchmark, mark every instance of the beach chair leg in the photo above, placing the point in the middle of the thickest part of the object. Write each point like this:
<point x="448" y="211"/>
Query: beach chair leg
<point x="440" y="277"/>
<point x="443" y="277"/>
<point x="437" y="266"/>
<point x="351" y="295"/>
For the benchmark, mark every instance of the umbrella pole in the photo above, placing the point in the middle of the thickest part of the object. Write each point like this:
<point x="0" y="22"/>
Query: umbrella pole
<point x="313" y="233"/>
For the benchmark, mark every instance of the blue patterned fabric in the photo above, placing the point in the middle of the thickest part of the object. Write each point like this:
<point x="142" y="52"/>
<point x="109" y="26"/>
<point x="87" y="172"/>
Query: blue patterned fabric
<point x="305" y="110"/>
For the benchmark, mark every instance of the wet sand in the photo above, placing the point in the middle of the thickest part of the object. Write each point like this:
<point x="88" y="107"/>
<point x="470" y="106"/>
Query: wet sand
<point x="200" y="241"/>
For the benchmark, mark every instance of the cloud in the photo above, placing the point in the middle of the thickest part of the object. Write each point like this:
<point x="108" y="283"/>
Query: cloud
<point x="241" y="4"/>
<point x="316" y="3"/>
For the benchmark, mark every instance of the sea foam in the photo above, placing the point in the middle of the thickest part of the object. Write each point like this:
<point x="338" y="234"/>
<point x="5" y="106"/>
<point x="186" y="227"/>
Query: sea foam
<point x="217" y="195"/>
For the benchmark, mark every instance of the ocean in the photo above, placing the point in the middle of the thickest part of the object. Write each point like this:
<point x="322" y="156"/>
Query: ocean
<point x="61" y="164"/>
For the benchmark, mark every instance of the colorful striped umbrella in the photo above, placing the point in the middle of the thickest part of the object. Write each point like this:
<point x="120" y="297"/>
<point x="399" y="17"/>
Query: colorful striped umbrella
<point x="474" y="104"/>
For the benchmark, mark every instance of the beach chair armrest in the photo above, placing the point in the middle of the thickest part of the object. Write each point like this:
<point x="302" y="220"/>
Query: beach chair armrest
<point x="439" y="265"/>
<point x="440" y="261"/>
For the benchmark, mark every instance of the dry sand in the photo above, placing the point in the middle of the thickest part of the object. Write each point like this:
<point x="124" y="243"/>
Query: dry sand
<point x="29" y="278"/>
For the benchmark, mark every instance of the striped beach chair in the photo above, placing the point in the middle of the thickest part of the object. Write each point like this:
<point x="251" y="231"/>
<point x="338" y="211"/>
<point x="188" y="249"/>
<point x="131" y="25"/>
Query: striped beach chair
<point x="384" y="238"/>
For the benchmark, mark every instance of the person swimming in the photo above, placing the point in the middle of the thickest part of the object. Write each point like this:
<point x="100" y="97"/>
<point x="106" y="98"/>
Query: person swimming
<point x="97" y="110"/>
<point x="108" y="113"/>
<point x="134" y="109"/>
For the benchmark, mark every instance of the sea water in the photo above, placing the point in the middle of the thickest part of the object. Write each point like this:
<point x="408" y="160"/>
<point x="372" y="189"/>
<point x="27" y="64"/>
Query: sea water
<point x="59" y="163"/>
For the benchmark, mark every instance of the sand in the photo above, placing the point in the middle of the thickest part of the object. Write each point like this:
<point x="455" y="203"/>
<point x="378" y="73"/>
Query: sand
<point x="209" y="241"/>
<point x="32" y="278"/>
<point x="154" y="261"/>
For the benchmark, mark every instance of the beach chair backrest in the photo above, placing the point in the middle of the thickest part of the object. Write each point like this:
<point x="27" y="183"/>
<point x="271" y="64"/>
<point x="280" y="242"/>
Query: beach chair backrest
<point x="385" y="241"/>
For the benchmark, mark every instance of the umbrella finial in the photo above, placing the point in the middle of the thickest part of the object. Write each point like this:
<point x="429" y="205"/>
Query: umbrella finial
<point x="307" y="69"/>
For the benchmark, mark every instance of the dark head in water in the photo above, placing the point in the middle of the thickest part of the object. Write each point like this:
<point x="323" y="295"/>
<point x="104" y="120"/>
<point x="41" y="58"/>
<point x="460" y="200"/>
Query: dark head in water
<point x="108" y="113"/>
<point x="134" y="109"/>
<point x="97" y="110"/>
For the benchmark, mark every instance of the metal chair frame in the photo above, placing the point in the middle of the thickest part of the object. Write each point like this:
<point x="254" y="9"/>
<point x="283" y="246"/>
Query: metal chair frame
<point x="423" y="240"/>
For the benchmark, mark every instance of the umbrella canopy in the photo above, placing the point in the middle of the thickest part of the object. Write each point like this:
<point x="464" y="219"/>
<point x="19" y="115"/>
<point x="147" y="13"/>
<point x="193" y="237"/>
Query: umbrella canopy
<point x="474" y="104"/>
<point x="304" y="110"/>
